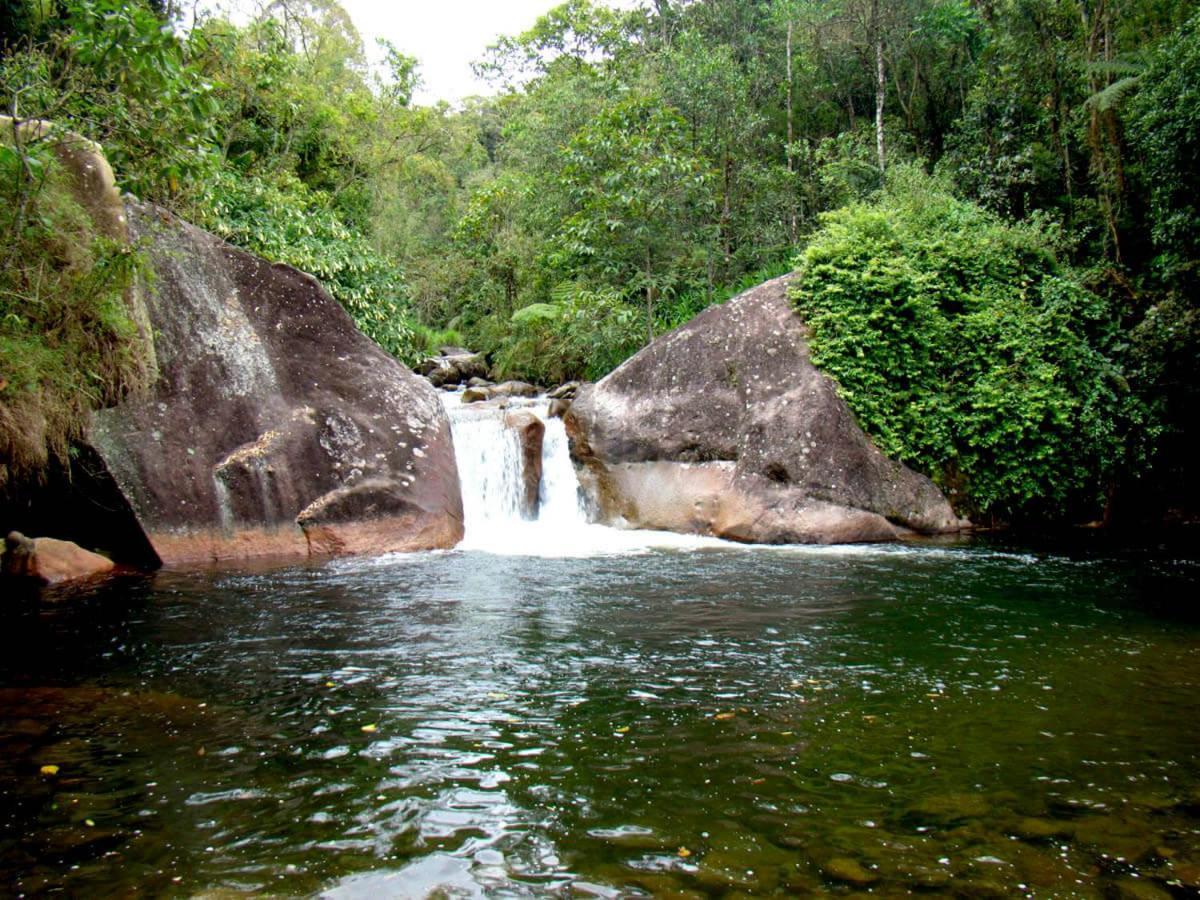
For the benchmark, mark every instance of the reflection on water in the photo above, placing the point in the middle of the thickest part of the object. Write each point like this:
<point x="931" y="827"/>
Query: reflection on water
<point x="716" y="721"/>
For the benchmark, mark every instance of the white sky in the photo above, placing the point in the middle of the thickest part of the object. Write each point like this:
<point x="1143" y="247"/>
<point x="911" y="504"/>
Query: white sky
<point x="446" y="36"/>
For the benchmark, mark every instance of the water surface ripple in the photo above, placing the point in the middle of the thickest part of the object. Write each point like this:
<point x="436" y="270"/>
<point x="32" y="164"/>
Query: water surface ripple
<point x="769" y="722"/>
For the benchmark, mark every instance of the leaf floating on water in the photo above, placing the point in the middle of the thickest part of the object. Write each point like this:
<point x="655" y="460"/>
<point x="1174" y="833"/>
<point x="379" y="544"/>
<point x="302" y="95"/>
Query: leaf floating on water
<point x="89" y="823"/>
<point x="369" y="729"/>
<point x="330" y="684"/>
<point x="725" y="715"/>
<point x="49" y="770"/>
<point x="624" y="729"/>
<point x="684" y="852"/>
<point x="497" y="695"/>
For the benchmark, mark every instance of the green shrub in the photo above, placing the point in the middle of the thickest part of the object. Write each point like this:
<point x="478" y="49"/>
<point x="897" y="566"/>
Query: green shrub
<point x="966" y="350"/>
<point x="67" y="343"/>
<point x="427" y="341"/>
<point x="288" y="222"/>
<point x="582" y="333"/>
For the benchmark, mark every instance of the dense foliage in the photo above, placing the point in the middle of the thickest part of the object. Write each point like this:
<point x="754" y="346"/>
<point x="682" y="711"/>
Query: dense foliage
<point x="67" y="342"/>
<point x="967" y="349"/>
<point x="637" y="165"/>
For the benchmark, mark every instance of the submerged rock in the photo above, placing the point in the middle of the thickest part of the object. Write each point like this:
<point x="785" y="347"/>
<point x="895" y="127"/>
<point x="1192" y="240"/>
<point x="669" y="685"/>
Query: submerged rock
<point x="843" y="868"/>
<point x="275" y="426"/>
<point x="1137" y="889"/>
<point x="948" y="809"/>
<point x="1035" y="829"/>
<point x="725" y="427"/>
<point x="50" y="561"/>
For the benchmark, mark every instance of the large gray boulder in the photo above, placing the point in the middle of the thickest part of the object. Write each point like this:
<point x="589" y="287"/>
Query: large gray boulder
<point x="275" y="426"/>
<point x="725" y="427"/>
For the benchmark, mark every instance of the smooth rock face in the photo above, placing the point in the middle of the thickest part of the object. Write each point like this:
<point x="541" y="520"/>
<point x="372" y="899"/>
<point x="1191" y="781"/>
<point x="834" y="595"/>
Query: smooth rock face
<point x="531" y="432"/>
<point x="275" y="426"/>
<point x="725" y="427"/>
<point x="49" y="560"/>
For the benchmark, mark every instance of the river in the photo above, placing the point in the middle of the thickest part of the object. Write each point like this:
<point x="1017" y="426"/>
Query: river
<point x="647" y="715"/>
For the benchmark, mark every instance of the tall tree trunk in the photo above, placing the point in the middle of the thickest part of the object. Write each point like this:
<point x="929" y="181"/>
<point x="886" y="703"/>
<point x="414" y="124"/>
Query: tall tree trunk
<point x="649" y="302"/>
<point x="791" y="164"/>
<point x="880" y="83"/>
<point x="1102" y="133"/>
<point x="726" y="211"/>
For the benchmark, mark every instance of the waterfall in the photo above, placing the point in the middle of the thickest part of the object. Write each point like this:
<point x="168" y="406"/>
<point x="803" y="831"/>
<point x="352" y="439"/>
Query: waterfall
<point x="488" y="455"/>
<point x="489" y="469"/>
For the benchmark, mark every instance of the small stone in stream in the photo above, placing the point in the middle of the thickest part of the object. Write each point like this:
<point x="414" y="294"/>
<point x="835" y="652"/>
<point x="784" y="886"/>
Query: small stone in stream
<point x="475" y="395"/>
<point x="1136" y="889"/>
<point x="792" y="841"/>
<point x="798" y="884"/>
<point x="1034" y="829"/>
<point x="930" y="879"/>
<point x="1117" y="837"/>
<point x="981" y="890"/>
<point x="728" y="875"/>
<point x="558" y="408"/>
<point x="478" y="382"/>
<point x="1156" y="802"/>
<point x="947" y="809"/>
<point x="665" y="886"/>
<point x="843" y="868"/>
<point x="1190" y="803"/>
<point x="49" y="560"/>
<point x="1187" y="874"/>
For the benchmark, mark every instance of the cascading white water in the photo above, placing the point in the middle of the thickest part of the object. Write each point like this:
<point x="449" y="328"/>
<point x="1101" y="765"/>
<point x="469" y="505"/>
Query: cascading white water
<point x="489" y="470"/>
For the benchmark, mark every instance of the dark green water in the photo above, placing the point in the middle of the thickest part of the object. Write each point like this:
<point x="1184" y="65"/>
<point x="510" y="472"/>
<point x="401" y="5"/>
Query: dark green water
<point x="959" y="721"/>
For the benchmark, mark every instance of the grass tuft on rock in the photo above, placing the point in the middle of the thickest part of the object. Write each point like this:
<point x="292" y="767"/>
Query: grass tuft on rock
<point x="68" y="345"/>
